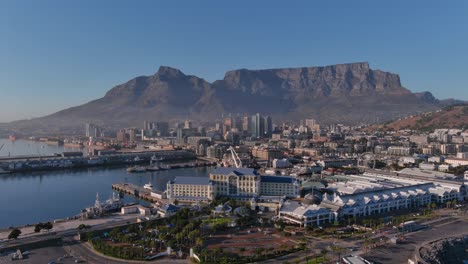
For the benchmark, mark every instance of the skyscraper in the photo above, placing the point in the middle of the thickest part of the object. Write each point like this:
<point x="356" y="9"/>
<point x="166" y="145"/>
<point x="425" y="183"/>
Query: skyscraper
<point x="92" y="130"/>
<point x="268" y="126"/>
<point x="310" y="123"/>
<point x="246" y="123"/>
<point x="257" y="126"/>
<point x="188" y="124"/>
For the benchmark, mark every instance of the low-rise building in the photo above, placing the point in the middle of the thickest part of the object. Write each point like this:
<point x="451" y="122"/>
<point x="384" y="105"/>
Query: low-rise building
<point x="399" y="151"/>
<point x="281" y="163"/>
<point x="427" y="166"/>
<point x="168" y="210"/>
<point x="456" y="162"/>
<point x="436" y="159"/>
<point x="135" y="209"/>
<point x="190" y="189"/>
<point x="444" y="167"/>
<point x="279" y="186"/>
<point x="267" y="153"/>
<point x="335" y="163"/>
<point x="305" y="214"/>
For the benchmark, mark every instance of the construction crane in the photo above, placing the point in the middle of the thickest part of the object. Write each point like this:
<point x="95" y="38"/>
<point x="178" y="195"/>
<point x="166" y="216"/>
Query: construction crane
<point x="235" y="157"/>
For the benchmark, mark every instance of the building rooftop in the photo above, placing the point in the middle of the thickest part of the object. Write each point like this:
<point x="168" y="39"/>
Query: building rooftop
<point x="355" y="260"/>
<point x="191" y="180"/>
<point x="236" y="171"/>
<point x="301" y="210"/>
<point x="277" y="179"/>
<point x="426" y="173"/>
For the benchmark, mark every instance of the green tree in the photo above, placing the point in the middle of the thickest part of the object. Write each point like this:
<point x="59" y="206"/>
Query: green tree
<point x="14" y="234"/>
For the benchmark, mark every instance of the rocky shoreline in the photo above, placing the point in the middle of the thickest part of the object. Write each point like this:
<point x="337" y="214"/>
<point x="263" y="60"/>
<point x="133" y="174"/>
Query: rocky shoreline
<point x="446" y="251"/>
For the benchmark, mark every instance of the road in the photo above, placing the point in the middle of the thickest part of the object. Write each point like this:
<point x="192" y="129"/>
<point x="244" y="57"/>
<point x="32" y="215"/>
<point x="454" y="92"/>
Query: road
<point x="414" y="241"/>
<point x="62" y="233"/>
<point x="84" y="251"/>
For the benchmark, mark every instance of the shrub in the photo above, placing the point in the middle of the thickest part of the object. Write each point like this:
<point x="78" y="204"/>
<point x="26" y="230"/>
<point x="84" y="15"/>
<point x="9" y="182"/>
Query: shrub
<point x="14" y="234"/>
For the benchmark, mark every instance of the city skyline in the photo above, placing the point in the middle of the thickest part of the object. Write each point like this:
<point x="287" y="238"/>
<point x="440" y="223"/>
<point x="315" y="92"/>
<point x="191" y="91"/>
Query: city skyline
<point x="59" y="55"/>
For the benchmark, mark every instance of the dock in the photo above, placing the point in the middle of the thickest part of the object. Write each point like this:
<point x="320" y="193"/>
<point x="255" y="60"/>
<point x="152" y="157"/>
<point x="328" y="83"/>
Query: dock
<point x="140" y="192"/>
<point x="187" y="165"/>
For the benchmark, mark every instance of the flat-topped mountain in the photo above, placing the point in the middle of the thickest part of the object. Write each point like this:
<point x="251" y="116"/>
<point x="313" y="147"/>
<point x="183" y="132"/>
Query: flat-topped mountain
<point x="346" y="93"/>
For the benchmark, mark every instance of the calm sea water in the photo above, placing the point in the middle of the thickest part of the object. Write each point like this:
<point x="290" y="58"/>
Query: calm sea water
<point x="28" y="147"/>
<point x="28" y="198"/>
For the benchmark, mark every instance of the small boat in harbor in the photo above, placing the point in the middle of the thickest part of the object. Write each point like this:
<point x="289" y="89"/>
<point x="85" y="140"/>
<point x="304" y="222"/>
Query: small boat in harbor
<point x="2" y="171"/>
<point x="136" y="169"/>
<point x="148" y="186"/>
<point x="153" y="168"/>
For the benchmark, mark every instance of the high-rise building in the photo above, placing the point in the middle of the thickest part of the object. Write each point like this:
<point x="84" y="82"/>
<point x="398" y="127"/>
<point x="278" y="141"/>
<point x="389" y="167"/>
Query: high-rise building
<point x="246" y="123"/>
<point x="188" y="124"/>
<point x="257" y="126"/>
<point x="268" y="126"/>
<point x="131" y="134"/>
<point x="122" y="136"/>
<point x="310" y="123"/>
<point x="161" y="128"/>
<point x="227" y="125"/>
<point x="237" y="123"/>
<point x="92" y="130"/>
<point x="146" y="125"/>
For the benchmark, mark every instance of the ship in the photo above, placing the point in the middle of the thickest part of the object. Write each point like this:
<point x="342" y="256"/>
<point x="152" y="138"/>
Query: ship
<point x="136" y="169"/>
<point x="153" y="168"/>
<point x="154" y="164"/>
<point x="148" y="186"/>
<point x="112" y="204"/>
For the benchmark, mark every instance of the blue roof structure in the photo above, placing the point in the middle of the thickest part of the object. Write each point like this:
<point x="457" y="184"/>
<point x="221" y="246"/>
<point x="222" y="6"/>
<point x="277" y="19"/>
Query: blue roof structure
<point x="169" y="208"/>
<point x="236" y="171"/>
<point x="277" y="179"/>
<point x="192" y="180"/>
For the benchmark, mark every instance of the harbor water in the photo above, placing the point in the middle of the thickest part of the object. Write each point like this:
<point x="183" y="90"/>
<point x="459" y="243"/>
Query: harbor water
<point x="29" y="198"/>
<point x="28" y="147"/>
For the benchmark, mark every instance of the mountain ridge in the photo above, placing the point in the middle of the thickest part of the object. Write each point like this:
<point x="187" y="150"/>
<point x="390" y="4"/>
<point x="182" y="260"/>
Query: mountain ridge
<point x="347" y="93"/>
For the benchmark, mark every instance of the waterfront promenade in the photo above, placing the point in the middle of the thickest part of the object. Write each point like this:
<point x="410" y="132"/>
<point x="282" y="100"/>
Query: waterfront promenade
<point x="70" y="225"/>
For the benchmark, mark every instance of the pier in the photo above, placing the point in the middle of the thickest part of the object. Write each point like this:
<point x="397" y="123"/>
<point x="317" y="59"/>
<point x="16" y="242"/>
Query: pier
<point x="140" y="192"/>
<point x="57" y="162"/>
<point x="188" y="165"/>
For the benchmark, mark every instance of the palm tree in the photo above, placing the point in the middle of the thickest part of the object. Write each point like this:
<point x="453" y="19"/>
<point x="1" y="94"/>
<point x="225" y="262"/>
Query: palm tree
<point x="448" y="204"/>
<point x="324" y="253"/>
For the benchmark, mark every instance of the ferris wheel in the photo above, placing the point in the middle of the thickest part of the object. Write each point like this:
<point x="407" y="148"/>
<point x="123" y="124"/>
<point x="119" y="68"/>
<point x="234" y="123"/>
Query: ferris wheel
<point x="366" y="160"/>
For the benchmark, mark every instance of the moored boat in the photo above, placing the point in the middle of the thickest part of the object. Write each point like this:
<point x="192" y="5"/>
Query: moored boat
<point x="148" y="186"/>
<point x="136" y="169"/>
<point x="2" y="171"/>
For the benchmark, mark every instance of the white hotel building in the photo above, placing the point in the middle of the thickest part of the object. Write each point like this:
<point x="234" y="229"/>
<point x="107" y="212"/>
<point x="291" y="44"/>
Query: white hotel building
<point x="364" y="195"/>
<point x="238" y="183"/>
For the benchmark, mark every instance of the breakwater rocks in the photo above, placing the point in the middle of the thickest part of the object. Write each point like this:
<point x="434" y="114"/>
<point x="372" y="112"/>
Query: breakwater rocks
<point x="447" y="251"/>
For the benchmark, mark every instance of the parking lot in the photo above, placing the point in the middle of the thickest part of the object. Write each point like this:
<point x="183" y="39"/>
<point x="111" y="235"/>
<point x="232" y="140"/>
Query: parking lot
<point x="44" y="255"/>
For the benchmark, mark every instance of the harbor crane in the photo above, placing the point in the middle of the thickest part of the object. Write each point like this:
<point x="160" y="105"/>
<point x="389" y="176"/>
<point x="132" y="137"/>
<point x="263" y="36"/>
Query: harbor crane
<point x="235" y="157"/>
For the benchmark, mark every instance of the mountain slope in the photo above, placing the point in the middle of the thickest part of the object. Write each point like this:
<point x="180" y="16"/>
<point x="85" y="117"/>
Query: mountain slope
<point x="346" y="93"/>
<point x="450" y="117"/>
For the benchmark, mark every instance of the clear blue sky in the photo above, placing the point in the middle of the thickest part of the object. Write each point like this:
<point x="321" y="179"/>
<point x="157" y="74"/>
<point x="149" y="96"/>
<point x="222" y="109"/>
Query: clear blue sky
<point x="57" y="54"/>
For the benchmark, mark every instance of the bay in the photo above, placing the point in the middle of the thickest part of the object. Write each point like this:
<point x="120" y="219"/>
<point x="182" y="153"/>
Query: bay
<point x="29" y="198"/>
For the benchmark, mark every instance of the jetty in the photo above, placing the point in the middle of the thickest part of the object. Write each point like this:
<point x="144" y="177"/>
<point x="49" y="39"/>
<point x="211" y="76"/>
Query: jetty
<point x="187" y="165"/>
<point x="153" y="196"/>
